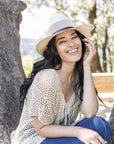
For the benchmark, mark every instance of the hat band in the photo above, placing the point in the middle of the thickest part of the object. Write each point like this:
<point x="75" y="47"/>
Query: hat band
<point x="63" y="29"/>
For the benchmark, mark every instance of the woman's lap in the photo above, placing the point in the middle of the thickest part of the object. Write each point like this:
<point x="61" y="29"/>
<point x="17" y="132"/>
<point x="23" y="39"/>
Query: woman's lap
<point x="97" y="124"/>
<point x="63" y="140"/>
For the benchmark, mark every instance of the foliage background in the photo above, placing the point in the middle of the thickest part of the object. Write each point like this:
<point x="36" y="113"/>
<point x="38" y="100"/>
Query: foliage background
<point x="100" y="13"/>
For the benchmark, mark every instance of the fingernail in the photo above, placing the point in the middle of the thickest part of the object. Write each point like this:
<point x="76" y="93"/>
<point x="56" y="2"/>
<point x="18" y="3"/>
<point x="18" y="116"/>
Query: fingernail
<point x="84" y="39"/>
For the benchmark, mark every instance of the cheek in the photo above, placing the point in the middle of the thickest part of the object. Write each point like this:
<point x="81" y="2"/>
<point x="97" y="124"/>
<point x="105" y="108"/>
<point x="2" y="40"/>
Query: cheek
<point x="78" y="41"/>
<point x="61" y="54"/>
<point x="61" y="50"/>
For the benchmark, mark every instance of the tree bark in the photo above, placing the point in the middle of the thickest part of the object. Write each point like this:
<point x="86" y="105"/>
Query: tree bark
<point x="11" y="71"/>
<point x="104" y="51"/>
<point x="111" y="122"/>
<point x="110" y="60"/>
<point x="96" y="67"/>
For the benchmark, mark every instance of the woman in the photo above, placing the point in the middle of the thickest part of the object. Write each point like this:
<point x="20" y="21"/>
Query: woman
<point x="59" y="87"/>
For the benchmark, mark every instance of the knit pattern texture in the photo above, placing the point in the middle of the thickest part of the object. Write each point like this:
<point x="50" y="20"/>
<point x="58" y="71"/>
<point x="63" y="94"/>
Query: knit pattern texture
<point x="45" y="100"/>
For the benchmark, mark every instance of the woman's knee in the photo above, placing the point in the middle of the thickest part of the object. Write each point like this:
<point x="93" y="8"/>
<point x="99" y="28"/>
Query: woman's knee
<point x="96" y="123"/>
<point x="101" y="122"/>
<point x="103" y="127"/>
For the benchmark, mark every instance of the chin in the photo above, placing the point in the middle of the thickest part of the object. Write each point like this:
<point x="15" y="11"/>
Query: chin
<point x="75" y="59"/>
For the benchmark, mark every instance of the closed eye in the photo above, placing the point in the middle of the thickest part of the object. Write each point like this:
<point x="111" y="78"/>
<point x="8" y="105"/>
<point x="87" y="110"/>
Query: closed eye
<point x="74" y="37"/>
<point x="62" y="42"/>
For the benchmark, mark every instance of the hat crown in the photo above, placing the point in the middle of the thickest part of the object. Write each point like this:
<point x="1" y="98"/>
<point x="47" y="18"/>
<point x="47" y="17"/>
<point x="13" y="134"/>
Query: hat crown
<point x="58" y="23"/>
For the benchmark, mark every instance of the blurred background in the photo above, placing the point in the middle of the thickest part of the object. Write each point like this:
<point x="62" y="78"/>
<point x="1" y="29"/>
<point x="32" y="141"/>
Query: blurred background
<point x="99" y="13"/>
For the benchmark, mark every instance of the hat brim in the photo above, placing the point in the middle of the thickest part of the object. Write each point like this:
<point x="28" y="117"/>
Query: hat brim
<point x="83" y="29"/>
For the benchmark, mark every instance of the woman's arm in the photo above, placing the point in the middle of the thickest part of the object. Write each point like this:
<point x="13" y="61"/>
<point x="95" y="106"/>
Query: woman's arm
<point x="53" y="131"/>
<point x="89" y="105"/>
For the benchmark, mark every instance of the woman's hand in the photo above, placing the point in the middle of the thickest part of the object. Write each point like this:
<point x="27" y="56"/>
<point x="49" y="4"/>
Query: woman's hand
<point x="88" y="136"/>
<point x="89" y="53"/>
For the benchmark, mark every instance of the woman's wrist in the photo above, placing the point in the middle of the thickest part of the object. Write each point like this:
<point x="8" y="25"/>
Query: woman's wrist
<point x="86" y="65"/>
<point x="76" y="131"/>
<point x="87" y="69"/>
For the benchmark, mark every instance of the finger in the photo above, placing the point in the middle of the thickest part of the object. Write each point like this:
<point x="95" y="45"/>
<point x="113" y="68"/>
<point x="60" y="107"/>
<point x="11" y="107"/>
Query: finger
<point x="87" y="143"/>
<point x="97" y="141"/>
<point x="92" y="142"/>
<point x="90" y="42"/>
<point x="88" y="48"/>
<point x="87" y="40"/>
<point x="101" y="140"/>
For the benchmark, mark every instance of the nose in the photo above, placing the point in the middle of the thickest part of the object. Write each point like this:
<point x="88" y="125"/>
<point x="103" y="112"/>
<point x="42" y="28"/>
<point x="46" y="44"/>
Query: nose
<point x="71" y="43"/>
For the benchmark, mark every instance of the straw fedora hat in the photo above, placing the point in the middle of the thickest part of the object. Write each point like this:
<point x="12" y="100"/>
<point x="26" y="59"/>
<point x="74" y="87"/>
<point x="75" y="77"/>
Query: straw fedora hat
<point x="57" y="24"/>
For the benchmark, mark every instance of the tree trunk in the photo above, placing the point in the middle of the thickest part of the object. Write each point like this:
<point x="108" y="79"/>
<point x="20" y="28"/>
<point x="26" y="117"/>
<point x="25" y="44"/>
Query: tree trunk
<point x="96" y="67"/>
<point x="111" y="122"/>
<point x="104" y="51"/>
<point x="11" y="71"/>
<point x="110" y="60"/>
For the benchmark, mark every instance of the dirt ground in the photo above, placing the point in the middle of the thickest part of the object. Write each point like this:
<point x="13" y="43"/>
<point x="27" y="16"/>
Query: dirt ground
<point x="105" y="110"/>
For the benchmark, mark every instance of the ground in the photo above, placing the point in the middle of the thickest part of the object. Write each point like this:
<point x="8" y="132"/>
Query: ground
<point x="105" y="110"/>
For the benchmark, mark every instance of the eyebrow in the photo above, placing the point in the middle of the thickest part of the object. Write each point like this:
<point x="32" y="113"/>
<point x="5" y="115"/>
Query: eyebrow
<point x="64" y="37"/>
<point x="73" y="33"/>
<point x="60" y="38"/>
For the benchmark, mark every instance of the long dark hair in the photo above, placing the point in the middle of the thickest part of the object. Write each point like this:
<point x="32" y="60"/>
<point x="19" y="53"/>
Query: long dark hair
<point x="51" y="60"/>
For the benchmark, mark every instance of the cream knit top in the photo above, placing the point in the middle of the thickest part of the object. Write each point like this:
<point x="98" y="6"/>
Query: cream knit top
<point x="45" y="100"/>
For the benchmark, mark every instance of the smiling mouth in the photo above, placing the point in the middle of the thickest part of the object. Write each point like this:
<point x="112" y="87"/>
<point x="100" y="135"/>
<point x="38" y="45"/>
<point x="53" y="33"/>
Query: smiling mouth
<point x="72" y="51"/>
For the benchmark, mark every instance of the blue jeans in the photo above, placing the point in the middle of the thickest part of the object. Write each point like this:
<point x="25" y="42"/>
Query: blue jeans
<point x="95" y="123"/>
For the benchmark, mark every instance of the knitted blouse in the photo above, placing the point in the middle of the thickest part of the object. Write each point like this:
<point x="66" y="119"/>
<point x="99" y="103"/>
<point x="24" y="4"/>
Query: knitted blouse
<point x="45" y="100"/>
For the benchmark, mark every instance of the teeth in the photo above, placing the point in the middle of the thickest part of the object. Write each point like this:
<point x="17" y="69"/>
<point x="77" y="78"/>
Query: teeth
<point x="72" y="51"/>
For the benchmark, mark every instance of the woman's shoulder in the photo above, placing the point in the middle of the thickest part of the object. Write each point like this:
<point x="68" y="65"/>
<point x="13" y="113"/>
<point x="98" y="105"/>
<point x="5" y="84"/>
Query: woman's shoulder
<point x="49" y="71"/>
<point x="47" y="74"/>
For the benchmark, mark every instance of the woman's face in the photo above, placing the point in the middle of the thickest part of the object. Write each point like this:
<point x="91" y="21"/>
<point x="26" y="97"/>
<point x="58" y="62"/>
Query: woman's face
<point x="69" y="46"/>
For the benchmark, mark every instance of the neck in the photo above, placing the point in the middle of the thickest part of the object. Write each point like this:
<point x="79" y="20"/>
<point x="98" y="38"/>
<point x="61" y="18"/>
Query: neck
<point x="66" y="72"/>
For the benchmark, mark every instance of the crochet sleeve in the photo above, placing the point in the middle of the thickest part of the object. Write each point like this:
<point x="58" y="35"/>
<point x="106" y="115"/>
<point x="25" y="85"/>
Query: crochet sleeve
<point x="44" y="90"/>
